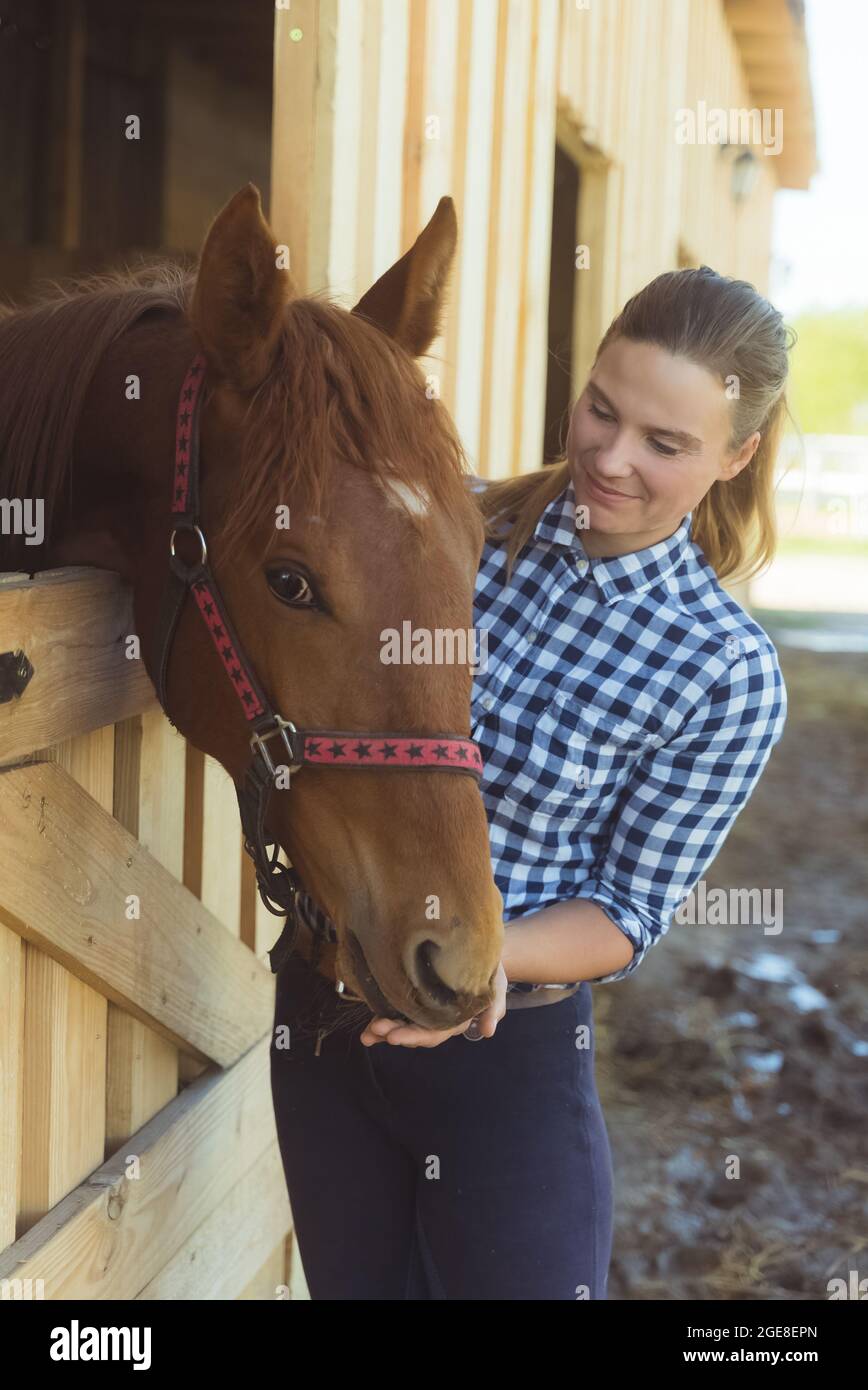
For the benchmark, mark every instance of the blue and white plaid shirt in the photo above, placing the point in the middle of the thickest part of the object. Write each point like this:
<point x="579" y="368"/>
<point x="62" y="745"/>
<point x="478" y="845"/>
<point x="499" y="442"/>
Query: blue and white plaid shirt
<point x="625" y="711"/>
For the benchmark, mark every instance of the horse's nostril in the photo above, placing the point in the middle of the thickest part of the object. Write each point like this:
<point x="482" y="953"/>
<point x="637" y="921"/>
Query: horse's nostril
<point x="427" y="977"/>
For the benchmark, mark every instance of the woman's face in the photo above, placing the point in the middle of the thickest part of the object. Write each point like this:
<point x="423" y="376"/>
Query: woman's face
<point x="648" y="437"/>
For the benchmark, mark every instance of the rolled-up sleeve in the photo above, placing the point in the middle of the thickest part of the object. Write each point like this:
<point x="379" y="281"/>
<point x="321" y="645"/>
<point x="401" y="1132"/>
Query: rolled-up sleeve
<point x="680" y="804"/>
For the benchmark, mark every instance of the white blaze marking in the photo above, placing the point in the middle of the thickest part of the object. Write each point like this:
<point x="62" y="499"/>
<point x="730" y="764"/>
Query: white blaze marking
<point x="415" y="500"/>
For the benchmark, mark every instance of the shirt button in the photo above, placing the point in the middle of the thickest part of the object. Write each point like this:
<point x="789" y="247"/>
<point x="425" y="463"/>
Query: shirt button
<point x="582" y="567"/>
<point x="487" y="702"/>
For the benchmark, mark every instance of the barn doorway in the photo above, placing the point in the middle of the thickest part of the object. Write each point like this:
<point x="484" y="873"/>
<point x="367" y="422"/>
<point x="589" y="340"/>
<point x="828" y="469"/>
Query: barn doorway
<point x="563" y="279"/>
<point x="125" y="127"/>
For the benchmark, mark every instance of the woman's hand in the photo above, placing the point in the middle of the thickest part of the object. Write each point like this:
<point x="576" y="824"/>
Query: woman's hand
<point x="400" y="1034"/>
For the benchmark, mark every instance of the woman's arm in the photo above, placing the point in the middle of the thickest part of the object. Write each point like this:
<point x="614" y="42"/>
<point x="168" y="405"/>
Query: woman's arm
<point x="671" y="820"/>
<point x="565" y="941"/>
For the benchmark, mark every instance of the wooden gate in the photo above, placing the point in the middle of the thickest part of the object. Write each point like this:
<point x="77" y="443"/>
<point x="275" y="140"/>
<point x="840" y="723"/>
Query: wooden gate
<point x="138" y="1153"/>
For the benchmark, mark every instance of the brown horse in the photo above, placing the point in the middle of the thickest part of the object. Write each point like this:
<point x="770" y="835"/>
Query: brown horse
<point x="322" y="411"/>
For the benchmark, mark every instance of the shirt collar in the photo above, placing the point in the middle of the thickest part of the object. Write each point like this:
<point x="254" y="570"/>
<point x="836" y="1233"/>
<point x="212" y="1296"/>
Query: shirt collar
<point x="614" y="575"/>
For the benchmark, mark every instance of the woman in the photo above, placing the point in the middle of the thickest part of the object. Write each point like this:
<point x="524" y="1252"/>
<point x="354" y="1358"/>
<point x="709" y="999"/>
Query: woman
<point x="626" y="710"/>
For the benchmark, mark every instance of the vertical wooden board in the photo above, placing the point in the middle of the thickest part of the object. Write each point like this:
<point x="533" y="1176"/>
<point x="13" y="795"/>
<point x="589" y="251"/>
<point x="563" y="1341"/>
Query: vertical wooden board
<point x="12" y="986"/>
<point x="64" y="1085"/>
<point x="594" y="76"/>
<point x="474" y="233"/>
<point x="611" y="67"/>
<point x="383" y="247"/>
<point x="672" y="90"/>
<point x="493" y="465"/>
<point x="142" y="1067"/>
<point x="633" y="60"/>
<point x="90" y="760"/>
<point x="301" y="87"/>
<point x="414" y="120"/>
<point x="161" y="791"/>
<point x="510" y="154"/>
<point x="351" y="53"/>
<point x="530" y="399"/>
<point x="438" y="145"/>
<point x="368" y="151"/>
<point x="221" y="864"/>
<point x="65" y="1034"/>
<point x="142" y="1076"/>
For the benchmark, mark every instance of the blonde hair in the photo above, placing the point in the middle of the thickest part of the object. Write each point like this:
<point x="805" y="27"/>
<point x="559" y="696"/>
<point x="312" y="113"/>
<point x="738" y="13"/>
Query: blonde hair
<point x="727" y="327"/>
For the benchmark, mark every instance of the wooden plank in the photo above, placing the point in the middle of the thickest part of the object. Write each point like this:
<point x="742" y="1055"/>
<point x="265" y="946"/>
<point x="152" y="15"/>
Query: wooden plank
<point x="270" y="1281"/>
<point x="492" y="464"/>
<point x="414" y="120"/>
<point x="302" y="89"/>
<point x="473" y="284"/>
<point x="66" y="1028"/>
<point x="142" y="1076"/>
<point x="176" y="968"/>
<point x="112" y="1235"/>
<point x="369" y="111"/>
<point x="221" y="863"/>
<point x="227" y="1251"/>
<point x="384" y="247"/>
<point x="72" y="625"/>
<point x="439" y="151"/>
<point x="12" y="988"/>
<point x="352" y="43"/>
<point x="64" y="1085"/>
<point x="142" y="1067"/>
<point x="508" y="227"/>
<point x="532" y="330"/>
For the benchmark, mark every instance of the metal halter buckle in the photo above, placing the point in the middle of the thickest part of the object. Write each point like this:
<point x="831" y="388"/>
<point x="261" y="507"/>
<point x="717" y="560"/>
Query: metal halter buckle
<point x="179" y="566"/>
<point x="258" y="742"/>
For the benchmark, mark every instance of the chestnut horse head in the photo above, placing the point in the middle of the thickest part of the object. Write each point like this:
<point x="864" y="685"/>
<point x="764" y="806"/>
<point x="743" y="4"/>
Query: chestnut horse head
<point x="320" y="417"/>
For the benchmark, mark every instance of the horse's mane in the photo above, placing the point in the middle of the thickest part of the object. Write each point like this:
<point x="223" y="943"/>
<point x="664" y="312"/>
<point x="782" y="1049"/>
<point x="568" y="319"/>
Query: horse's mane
<point x="49" y="351"/>
<point x="339" y="389"/>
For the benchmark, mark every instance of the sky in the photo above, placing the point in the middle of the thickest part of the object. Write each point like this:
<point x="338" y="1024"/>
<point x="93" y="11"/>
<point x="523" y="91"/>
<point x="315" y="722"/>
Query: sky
<point x="820" y="236"/>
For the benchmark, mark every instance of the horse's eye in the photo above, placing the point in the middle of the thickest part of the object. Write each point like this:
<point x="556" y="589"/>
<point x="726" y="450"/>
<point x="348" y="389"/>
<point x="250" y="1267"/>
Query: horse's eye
<point x="290" y="587"/>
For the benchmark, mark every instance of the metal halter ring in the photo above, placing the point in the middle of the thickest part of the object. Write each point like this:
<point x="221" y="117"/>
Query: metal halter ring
<point x="203" y="558"/>
<point x="258" y="741"/>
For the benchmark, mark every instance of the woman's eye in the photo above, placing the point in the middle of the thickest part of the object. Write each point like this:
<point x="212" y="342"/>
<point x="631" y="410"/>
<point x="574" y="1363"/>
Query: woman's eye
<point x="663" y="448"/>
<point x="290" y="587"/>
<point x="600" y="414"/>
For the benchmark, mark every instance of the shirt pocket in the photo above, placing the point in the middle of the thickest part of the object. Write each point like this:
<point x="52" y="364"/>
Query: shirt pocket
<point x="577" y="762"/>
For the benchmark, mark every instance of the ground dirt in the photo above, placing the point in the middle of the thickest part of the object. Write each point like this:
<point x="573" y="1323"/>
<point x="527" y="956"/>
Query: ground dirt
<point x="734" y="1041"/>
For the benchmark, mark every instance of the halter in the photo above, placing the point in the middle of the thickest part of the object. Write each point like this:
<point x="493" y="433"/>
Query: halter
<point x="297" y="747"/>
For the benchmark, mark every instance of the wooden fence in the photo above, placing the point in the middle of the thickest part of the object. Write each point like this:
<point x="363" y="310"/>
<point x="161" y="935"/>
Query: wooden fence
<point x="138" y="1153"/>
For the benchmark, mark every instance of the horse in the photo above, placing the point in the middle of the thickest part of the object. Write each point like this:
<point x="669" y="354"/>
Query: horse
<point x="320" y="416"/>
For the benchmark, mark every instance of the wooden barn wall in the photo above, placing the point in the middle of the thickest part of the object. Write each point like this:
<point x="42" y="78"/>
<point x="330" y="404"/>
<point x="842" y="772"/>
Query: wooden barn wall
<point x="138" y="1153"/>
<point x="381" y="108"/>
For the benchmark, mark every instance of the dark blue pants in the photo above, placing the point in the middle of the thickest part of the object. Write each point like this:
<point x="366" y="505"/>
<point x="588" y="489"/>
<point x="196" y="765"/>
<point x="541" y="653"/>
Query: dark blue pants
<point x="472" y="1170"/>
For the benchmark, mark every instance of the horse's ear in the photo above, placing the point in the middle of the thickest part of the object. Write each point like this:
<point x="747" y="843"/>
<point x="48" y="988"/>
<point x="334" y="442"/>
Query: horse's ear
<point x="240" y="293"/>
<point x="407" y="302"/>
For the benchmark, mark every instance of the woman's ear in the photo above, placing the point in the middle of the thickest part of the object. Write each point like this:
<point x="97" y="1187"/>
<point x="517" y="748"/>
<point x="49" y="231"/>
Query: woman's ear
<point x="732" y="467"/>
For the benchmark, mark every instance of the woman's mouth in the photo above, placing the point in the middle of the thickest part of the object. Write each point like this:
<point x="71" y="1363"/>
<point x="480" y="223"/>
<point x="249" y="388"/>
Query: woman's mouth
<point x="605" y="494"/>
